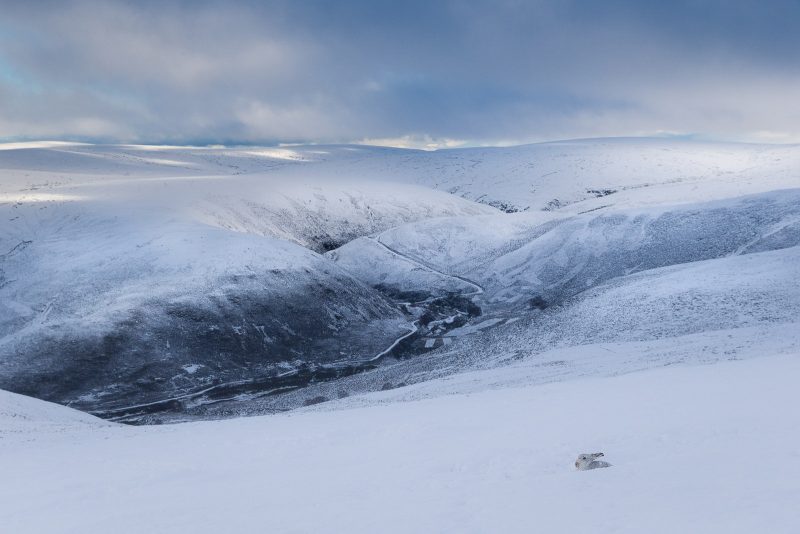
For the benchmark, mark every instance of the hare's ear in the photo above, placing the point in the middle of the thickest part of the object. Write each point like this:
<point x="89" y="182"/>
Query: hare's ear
<point x="598" y="454"/>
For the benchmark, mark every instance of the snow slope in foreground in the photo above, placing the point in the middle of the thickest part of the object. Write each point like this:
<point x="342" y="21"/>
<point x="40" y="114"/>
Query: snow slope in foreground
<point x="695" y="449"/>
<point x="23" y="415"/>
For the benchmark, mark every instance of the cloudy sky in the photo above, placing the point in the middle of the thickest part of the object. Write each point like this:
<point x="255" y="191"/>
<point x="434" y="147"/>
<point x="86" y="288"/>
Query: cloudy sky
<point x="437" y="73"/>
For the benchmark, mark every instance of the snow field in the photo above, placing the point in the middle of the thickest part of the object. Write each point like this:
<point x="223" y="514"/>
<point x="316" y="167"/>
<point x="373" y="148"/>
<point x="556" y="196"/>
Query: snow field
<point x="694" y="449"/>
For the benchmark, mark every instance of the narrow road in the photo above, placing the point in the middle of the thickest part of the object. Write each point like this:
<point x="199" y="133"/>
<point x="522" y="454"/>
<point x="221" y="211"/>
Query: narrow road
<point x="154" y="406"/>
<point x="414" y="328"/>
<point x="478" y="288"/>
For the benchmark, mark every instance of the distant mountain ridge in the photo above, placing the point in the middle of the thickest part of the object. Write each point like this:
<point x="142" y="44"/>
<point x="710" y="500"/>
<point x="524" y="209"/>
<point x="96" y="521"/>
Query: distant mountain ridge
<point x="183" y="278"/>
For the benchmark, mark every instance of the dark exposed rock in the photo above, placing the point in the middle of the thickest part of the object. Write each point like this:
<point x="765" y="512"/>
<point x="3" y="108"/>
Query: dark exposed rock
<point x="537" y="303"/>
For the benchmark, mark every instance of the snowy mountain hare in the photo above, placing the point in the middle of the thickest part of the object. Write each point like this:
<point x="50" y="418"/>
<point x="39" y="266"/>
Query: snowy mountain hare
<point x="590" y="461"/>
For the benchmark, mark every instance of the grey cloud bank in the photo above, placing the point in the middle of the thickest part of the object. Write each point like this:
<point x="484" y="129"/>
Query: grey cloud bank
<point x="402" y="73"/>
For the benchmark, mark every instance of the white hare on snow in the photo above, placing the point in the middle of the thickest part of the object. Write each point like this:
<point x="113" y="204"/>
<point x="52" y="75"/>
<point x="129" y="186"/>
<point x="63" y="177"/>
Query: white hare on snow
<point x="590" y="461"/>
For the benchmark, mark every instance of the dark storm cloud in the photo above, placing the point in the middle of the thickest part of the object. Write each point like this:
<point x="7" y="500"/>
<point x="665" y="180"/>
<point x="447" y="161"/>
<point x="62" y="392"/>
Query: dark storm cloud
<point x="481" y="71"/>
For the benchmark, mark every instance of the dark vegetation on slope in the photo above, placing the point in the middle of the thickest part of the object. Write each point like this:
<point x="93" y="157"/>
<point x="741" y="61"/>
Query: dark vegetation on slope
<point x="171" y="349"/>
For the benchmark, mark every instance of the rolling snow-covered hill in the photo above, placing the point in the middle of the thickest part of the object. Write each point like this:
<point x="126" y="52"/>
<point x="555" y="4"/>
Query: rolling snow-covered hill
<point x="733" y="307"/>
<point x="195" y="281"/>
<point x="523" y="256"/>
<point x="127" y="290"/>
<point x="451" y="329"/>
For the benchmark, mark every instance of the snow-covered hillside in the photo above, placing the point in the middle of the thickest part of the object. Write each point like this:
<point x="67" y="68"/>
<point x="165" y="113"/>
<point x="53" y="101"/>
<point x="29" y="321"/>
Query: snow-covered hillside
<point x="699" y="312"/>
<point x="27" y="418"/>
<point x="693" y="449"/>
<point x="192" y="281"/>
<point x="568" y="176"/>
<point x="515" y="258"/>
<point x="451" y="329"/>
<point x="125" y="285"/>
